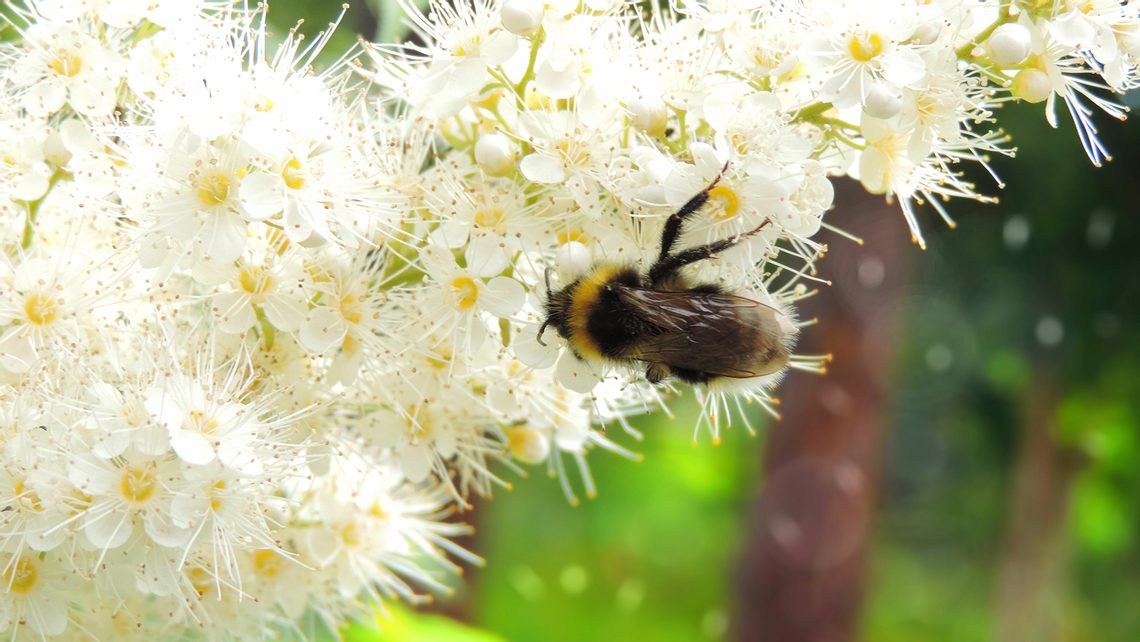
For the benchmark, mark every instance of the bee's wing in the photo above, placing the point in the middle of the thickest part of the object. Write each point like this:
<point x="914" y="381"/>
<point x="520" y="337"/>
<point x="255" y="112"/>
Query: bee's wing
<point x="714" y="333"/>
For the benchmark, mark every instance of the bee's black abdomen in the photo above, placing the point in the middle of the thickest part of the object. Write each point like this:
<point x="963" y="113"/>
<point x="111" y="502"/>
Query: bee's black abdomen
<point x="706" y="288"/>
<point x="690" y="376"/>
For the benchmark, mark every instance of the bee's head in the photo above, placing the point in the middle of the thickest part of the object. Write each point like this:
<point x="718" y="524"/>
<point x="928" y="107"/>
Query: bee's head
<point x="557" y="308"/>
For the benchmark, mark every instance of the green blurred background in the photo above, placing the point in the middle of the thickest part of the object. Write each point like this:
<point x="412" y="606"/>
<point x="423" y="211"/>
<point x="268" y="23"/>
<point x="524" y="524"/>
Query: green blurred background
<point x="991" y="480"/>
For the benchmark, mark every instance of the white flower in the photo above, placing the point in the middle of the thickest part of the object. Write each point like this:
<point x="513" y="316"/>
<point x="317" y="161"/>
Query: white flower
<point x="24" y="174"/>
<point x="130" y="490"/>
<point x="349" y="313"/>
<point x="463" y="42"/>
<point x="858" y="48"/>
<point x="573" y="150"/>
<point x="36" y="592"/>
<point x="65" y="65"/>
<point x="455" y="296"/>
<point x="522" y="17"/>
<point x="188" y="190"/>
<point x="269" y="285"/>
<point x="491" y="220"/>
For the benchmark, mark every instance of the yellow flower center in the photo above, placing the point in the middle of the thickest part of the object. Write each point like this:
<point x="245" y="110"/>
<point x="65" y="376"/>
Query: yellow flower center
<point x="21" y="576"/>
<point x="767" y="58"/>
<point x="138" y="484"/>
<point x="350" y="345"/>
<point x="213" y="188"/>
<point x="572" y="152"/>
<point x="200" y="579"/>
<point x="469" y="48"/>
<point x="865" y="48"/>
<point x="292" y="174"/>
<point x="199" y="422"/>
<point x="28" y="499"/>
<point x="466" y="292"/>
<point x="255" y="280"/>
<point x="66" y="63"/>
<point x="377" y="511"/>
<point x="351" y="309"/>
<point x="264" y="104"/>
<point x="725" y="202"/>
<point x="267" y="563"/>
<point x="488" y="101"/>
<point x="573" y="235"/>
<point x="488" y="217"/>
<point x="439" y="357"/>
<point x="40" y="309"/>
<point x="77" y="501"/>
<point x="536" y="100"/>
<point x="350" y="534"/>
<point x="215" y="495"/>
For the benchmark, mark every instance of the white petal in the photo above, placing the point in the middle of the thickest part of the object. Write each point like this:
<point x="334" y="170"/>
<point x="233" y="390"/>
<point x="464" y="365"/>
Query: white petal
<point x="446" y="443"/>
<point x="262" y="195"/>
<point x="530" y="352"/>
<point x="904" y="68"/>
<point x="192" y="447"/>
<point x="46" y="616"/>
<point x="236" y="313"/>
<point x="557" y="83"/>
<point x="503" y="296"/>
<point x="500" y="46"/>
<point x="163" y="532"/>
<point x="486" y="256"/>
<point x="415" y="462"/>
<point x="322" y="330"/>
<point x="110" y="529"/>
<point x="450" y="234"/>
<point x="93" y="96"/>
<point x="17" y="354"/>
<point x="575" y="374"/>
<point x="45" y="98"/>
<point x="284" y="312"/>
<point x="33" y="183"/>
<point x="225" y="239"/>
<point x="542" y="169"/>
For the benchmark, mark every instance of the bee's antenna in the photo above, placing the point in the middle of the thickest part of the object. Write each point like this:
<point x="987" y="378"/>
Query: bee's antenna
<point x="546" y="277"/>
<point x="541" y="329"/>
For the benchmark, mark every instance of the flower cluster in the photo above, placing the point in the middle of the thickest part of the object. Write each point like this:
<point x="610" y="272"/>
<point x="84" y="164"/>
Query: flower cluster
<point x="269" y="317"/>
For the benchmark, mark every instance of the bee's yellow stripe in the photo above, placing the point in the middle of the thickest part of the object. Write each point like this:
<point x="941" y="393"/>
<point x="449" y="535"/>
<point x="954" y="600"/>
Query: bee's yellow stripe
<point x="585" y="297"/>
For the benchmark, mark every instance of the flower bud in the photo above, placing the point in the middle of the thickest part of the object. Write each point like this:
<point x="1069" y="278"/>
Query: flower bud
<point x="522" y="17"/>
<point x="573" y="260"/>
<point x="650" y="115"/>
<point x="1032" y="85"/>
<point x="1008" y="45"/>
<point x="528" y="445"/>
<point x="883" y="100"/>
<point x="928" y="31"/>
<point x="496" y="154"/>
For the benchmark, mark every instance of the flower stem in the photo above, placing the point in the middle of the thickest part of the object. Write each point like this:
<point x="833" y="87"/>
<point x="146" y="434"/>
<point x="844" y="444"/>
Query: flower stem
<point x="34" y="209"/>
<point x="535" y="43"/>
<point x="268" y="332"/>
<point x="963" y="52"/>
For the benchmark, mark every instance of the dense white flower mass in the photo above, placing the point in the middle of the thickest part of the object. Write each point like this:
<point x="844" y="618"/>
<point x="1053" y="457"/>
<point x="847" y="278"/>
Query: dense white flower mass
<point x="266" y="323"/>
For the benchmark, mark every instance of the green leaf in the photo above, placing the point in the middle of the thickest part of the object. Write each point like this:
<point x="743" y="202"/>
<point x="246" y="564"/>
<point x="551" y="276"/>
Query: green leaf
<point x="1100" y="519"/>
<point x="404" y="625"/>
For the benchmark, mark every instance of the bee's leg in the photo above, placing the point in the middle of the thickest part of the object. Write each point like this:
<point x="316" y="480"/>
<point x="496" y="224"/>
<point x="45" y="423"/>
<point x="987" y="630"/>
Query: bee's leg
<point x="656" y="372"/>
<point x="677" y="219"/>
<point x="666" y="266"/>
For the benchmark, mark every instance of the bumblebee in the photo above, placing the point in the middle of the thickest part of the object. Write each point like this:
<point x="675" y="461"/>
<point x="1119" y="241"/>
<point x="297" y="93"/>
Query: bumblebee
<point x="695" y="332"/>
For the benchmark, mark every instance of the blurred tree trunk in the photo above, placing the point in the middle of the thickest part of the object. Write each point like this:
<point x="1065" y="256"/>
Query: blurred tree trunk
<point x="1030" y="595"/>
<point x="802" y="569"/>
